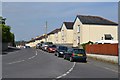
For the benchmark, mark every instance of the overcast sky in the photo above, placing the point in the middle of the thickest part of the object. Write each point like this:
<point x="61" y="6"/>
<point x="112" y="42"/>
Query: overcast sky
<point x="27" y="19"/>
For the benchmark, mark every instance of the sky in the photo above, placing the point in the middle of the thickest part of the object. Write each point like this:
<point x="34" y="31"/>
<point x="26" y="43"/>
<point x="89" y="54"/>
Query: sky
<point x="27" y="19"/>
<point x="60" y="0"/>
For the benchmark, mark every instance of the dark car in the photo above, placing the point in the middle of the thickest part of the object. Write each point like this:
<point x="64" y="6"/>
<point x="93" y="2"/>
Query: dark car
<point x="51" y="48"/>
<point x="45" y="45"/>
<point x="75" y="54"/>
<point x="60" y="51"/>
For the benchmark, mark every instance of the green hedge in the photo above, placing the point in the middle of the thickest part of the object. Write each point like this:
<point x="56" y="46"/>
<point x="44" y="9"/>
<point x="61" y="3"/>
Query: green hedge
<point x="84" y="44"/>
<point x="7" y="36"/>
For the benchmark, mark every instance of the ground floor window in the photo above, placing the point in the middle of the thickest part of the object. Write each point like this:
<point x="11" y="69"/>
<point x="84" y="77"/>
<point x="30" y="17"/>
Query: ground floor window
<point x="78" y="40"/>
<point x="108" y="37"/>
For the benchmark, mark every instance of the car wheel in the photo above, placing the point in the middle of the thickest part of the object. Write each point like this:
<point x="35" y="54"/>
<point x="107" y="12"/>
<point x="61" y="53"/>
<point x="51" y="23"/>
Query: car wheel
<point x="64" y="57"/>
<point x="85" y="61"/>
<point x="58" y="55"/>
<point x="55" y="54"/>
<point x="71" y="59"/>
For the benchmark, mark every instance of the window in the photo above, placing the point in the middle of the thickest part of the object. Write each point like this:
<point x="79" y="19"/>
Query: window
<point x="108" y="37"/>
<point x="70" y="50"/>
<point x="79" y="51"/>
<point x="78" y="28"/>
<point x="62" y="33"/>
<point x="78" y="40"/>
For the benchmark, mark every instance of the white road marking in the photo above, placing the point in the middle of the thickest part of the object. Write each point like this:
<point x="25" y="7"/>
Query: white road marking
<point x="33" y="56"/>
<point x="23" y="60"/>
<point x="36" y="53"/>
<point x="16" y="62"/>
<point x="66" y="72"/>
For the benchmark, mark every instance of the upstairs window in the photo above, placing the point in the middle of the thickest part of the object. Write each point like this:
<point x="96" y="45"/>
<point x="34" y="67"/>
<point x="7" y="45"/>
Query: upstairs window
<point x="78" y="28"/>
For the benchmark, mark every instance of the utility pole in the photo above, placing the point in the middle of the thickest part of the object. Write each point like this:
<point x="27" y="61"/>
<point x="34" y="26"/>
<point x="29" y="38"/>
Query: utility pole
<point x="46" y="32"/>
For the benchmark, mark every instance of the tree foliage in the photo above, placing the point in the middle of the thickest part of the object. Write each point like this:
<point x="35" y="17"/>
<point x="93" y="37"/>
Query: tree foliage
<point x="2" y="20"/>
<point x="7" y="36"/>
<point x="84" y="44"/>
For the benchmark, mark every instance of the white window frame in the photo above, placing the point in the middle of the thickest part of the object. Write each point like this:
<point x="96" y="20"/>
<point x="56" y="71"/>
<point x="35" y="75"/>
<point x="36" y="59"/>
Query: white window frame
<point x="78" y="28"/>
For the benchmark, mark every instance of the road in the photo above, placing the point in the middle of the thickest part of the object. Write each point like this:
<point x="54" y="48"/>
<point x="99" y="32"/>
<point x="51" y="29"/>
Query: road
<point x="35" y="63"/>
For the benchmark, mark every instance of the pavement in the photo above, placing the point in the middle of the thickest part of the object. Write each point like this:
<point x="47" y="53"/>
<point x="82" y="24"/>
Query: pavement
<point x="106" y="58"/>
<point x="37" y="64"/>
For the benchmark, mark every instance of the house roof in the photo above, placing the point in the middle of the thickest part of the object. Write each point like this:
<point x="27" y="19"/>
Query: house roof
<point x="54" y="31"/>
<point x="32" y="40"/>
<point x="95" y="20"/>
<point x="69" y="25"/>
<point x="39" y="38"/>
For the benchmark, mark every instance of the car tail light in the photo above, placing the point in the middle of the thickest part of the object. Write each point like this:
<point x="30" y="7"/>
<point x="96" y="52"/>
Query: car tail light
<point x="73" y="54"/>
<point x="50" y="48"/>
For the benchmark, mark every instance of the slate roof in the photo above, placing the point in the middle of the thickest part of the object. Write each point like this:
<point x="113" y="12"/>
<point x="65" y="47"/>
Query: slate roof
<point x="54" y="31"/>
<point x="95" y="20"/>
<point x="39" y="38"/>
<point x="69" y="25"/>
<point x="32" y="40"/>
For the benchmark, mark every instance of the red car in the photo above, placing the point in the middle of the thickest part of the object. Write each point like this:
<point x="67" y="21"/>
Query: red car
<point x="51" y="48"/>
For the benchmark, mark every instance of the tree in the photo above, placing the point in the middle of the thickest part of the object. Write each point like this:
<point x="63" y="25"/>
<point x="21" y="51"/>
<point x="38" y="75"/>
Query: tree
<point x="7" y="36"/>
<point x="2" y="20"/>
<point x="12" y="40"/>
<point x="84" y="44"/>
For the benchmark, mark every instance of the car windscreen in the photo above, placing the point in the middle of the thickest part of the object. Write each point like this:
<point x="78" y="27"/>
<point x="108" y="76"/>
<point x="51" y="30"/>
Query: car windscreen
<point x="63" y="48"/>
<point x="77" y="51"/>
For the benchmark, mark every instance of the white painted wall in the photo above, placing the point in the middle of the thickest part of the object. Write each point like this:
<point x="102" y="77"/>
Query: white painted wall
<point x="92" y="32"/>
<point x="96" y="32"/>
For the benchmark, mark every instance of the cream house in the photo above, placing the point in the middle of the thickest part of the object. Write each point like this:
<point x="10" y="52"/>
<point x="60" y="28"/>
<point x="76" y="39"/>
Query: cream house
<point x="59" y="37"/>
<point x="31" y="43"/>
<point x="42" y="39"/>
<point x="93" y="28"/>
<point x="37" y="40"/>
<point x="52" y="36"/>
<point x="67" y="33"/>
<point x="56" y="36"/>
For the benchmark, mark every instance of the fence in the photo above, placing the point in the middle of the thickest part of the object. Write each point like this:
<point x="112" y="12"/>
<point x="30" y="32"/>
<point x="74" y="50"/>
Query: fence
<point x="104" y="49"/>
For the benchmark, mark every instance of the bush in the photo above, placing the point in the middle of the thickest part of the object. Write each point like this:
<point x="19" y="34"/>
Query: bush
<point x="7" y="36"/>
<point x="84" y="44"/>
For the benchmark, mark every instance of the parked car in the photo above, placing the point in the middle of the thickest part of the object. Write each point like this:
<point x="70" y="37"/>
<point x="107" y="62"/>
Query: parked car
<point x="45" y="45"/>
<point x="60" y="51"/>
<point x="75" y="54"/>
<point x="51" y="48"/>
<point x="38" y="46"/>
<point x="26" y="46"/>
